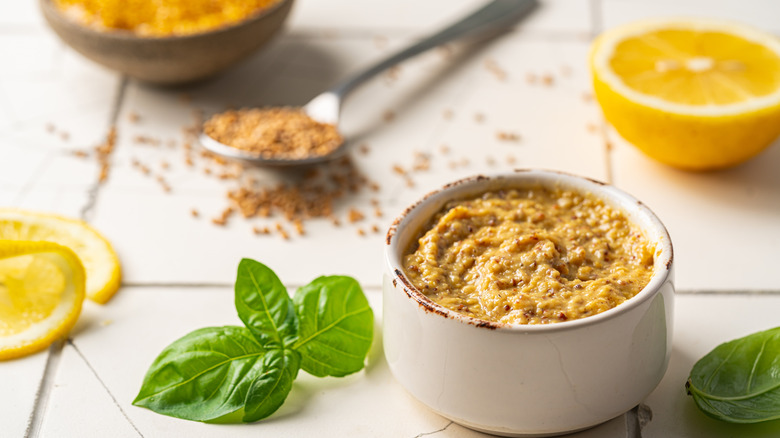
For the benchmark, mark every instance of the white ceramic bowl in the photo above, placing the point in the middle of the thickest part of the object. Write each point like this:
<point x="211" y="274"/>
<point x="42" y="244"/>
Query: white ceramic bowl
<point x="527" y="380"/>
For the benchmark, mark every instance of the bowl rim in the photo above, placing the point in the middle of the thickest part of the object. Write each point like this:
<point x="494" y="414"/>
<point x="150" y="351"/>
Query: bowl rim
<point x="601" y="190"/>
<point x="50" y="8"/>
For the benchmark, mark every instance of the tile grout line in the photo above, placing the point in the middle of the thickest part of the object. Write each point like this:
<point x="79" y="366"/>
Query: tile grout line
<point x="55" y="351"/>
<point x="435" y="431"/>
<point x="596" y="23"/>
<point x="94" y="190"/>
<point x="103" y="384"/>
<point x="35" y="421"/>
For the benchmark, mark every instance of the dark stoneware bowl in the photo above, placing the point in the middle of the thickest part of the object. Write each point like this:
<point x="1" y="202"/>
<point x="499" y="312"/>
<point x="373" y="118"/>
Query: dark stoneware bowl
<point x="174" y="59"/>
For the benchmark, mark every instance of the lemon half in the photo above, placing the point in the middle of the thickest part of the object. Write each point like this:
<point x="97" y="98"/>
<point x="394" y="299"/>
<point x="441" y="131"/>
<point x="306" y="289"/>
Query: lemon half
<point x="695" y="94"/>
<point x="42" y="288"/>
<point x="95" y="252"/>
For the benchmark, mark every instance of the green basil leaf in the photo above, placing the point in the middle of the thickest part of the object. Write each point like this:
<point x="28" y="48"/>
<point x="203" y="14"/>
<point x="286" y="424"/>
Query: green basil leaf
<point x="204" y="375"/>
<point x="336" y="326"/>
<point x="264" y="305"/>
<point x="269" y="390"/>
<point x="739" y="381"/>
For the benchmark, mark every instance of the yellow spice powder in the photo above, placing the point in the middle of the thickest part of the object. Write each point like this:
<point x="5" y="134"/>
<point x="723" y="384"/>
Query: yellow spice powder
<point x="157" y="18"/>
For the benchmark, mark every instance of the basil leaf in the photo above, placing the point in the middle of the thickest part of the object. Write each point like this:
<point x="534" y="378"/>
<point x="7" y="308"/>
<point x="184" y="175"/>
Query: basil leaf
<point x="204" y="375"/>
<point x="739" y="381"/>
<point x="270" y="389"/>
<point x="336" y="326"/>
<point x="264" y="305"/>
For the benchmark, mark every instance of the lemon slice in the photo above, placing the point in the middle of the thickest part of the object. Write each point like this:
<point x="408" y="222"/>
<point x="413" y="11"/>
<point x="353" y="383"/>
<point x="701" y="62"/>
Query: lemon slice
<point x="696" y="94"/>
<point x="41" y="292"/>
<point x="99" y="259"/>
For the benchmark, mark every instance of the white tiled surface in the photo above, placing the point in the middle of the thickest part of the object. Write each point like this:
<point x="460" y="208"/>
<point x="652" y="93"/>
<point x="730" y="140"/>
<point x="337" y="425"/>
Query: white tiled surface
<point x="178" y="269"/>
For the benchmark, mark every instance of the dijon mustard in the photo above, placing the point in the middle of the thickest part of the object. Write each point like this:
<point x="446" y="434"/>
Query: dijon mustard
<point x="530" y="256"/>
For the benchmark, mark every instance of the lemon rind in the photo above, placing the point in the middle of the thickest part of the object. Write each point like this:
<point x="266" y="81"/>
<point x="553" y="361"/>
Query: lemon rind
<point x="99" y="290"/>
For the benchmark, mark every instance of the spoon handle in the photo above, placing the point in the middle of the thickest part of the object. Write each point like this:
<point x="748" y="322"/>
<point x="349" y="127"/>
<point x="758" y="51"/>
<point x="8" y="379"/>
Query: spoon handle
<point x="497" y="13"/>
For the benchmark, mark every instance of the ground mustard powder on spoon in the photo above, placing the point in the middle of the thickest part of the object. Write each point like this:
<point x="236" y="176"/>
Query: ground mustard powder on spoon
<point x="274" y="133"/>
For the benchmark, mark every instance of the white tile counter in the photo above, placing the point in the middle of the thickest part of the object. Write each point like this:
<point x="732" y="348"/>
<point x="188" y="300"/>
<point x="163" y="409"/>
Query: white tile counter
<point x="179" y="269"/>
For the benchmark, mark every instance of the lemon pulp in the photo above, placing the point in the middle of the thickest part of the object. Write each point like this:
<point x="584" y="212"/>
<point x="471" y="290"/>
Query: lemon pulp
<point x="42" y="288"/>
<point x="695" y="94"/>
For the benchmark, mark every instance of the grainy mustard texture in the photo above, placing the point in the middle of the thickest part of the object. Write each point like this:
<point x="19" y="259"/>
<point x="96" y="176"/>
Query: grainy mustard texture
<point x="161" y="17"/>
<point x="530" y="256"/>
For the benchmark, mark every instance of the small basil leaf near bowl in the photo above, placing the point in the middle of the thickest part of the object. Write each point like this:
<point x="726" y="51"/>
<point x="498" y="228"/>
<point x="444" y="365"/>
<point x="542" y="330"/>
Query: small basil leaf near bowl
<point x="739" y="381"/>
<point x="231" y="374"/>
<point x="336" y="326"/>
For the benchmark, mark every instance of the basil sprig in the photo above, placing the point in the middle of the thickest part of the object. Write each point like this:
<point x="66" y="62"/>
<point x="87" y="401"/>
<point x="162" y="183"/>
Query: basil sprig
<point x="739" y="381"/>
<point x="223" y="374"/>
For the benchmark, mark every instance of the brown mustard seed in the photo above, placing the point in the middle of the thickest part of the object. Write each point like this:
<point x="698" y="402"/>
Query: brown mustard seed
<point x="194" y="213"/>
<point x="281" y="133"/>
<point x="104" y="151"/>
<point x="354" y="215"/>
<point x="507" y="136"/>
<point x="493" y="67"/>
<point x="445" y="51"/>
<point x="361" y="232"/>
<point x="447" y="114"/>
<point x="375" y="228"/>
<point x="393" y="73"/>
<point x="298" y="224"/>
<point x="388" y="116"/>
<point x="479" y="117"/>
<point x="146" y="140"/>
<point x="548" y="80"/>
<point x="133" y="117"/>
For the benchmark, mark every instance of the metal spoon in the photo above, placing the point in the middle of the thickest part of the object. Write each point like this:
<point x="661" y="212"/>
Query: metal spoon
<point x="326" y="107"/>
